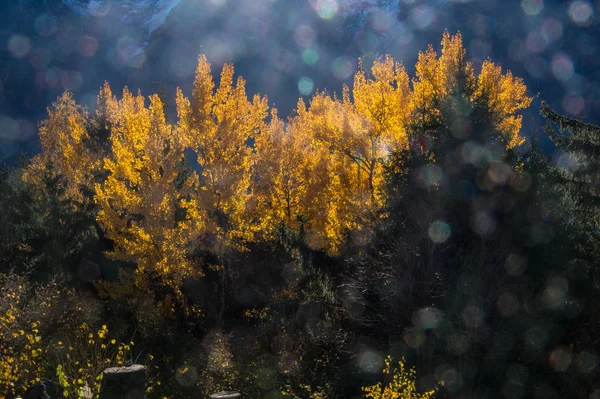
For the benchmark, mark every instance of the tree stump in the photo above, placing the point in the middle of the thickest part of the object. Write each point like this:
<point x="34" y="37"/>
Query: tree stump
<point x="124" y="382"/>
<point x="226" y="395"/>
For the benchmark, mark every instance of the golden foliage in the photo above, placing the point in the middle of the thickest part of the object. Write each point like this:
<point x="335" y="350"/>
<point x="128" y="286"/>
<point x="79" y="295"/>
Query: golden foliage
<point x="221" y="372"/>
<point x="426" y="94"/>
<point x="441" y="83"/>
<point x="82" y="360"/>
<point x="401" y="384"/>
<point x="383" y="101"/>
<point x="283" y="170"/>
<point x="447" y="85"/>
<point x="23" y="355"/>
<point x="33" y="349"/>
<point x="217" y="126"/>
<point x="296" y="179"/>
<point x="503" y="96"/>
<point x="147" y="203"/>
<point x="65" y="150"/>
<point x="330" y="180"/>
<point x="319" y="174"/>
<point x="306" y="392"/>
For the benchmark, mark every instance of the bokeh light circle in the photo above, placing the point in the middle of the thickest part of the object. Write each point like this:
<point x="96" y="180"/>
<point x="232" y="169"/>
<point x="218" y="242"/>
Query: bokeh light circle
<point x="532" y="7"/>
<point x="580" y="12"/>
<point x="562" y="67"/>
<point x="439" y="231"/>
<point x="305" y="85"/>
<point x="19" y="46"/>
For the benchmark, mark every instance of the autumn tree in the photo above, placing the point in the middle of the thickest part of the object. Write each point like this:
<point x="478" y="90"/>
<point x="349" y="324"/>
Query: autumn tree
<point x="217" y="125"/>
<point x="66" y="152"/>
<point x="442" y="86"/>
<point x="502" y="96"/>
<point x="462" y="130"/>
<point x="352" y="137"/>
<point x="449" y="96"/>
<point x="295" y="182"/>
<point x="416" y="167"/>
<point x="367" y="124"/>
<point x="147" y="204"/>
<point x="347" y="144"/>
<point x="383" y="101"/>
<point x="283" y="172"/>
<point x="457" y="210"/>
<point x="104" y="119"/>
<point x="58" y="231"/>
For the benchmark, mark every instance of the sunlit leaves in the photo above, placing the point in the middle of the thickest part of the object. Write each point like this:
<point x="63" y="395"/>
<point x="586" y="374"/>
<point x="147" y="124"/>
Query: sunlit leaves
<point x="446" y="87"/>
<point x="284" y="167"/>
<point x="319" y="175"/>
<point x="202" y="93"/>
<point x="217" y="126"/>
<point x="400" y="383"/>
<point x="503" y="96"/>
<point x="65" y="150"/>
<point x="426" y="96"/>
<point x="384" y="101"/>
<point x="147" y="207"/>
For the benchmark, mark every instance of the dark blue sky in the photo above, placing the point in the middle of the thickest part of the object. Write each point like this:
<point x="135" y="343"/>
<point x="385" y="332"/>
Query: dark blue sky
<point x="285" y="49"/>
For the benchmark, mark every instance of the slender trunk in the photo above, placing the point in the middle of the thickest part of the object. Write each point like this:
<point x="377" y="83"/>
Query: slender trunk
<point x="222" y="299"/>
<point x="371" y="185"/>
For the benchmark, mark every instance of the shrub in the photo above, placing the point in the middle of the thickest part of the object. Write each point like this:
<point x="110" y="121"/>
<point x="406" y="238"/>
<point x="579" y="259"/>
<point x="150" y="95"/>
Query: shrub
<point x="81" y="361"/>
<point x="401" y="384"/>
<point x="25" y="314"/>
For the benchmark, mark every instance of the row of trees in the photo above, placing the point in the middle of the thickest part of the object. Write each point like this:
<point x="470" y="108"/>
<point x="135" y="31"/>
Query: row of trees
<point x="246" y="175"/>
<point x="288" y="255"/>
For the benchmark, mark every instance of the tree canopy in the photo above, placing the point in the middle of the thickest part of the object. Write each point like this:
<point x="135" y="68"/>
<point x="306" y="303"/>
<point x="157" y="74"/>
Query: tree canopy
<point x="291" y="254"/>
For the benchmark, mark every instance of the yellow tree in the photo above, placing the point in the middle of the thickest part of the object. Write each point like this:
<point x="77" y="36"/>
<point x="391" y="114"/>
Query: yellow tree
<point x="282" y="173"/>
<point x="105" y="116"/>
<point x="368" y="126"/>
<point x="383" y="99"/>
<point x="401" y="383"/>
<point x="456" y="74"/>
<point x="442" y="85"/>
<point x="383" y="102"/>
<point x="426" y="92"/>
<point x="293" y="182"/>
<point x="147" y="203"/>
<point x="217" y="126"/>
<point x="503" y="96"/>
<point x="446" y="88"/>
<point x="65" y="151"/>
<point x="331" y="187"/>
<point x="352" y="138"/>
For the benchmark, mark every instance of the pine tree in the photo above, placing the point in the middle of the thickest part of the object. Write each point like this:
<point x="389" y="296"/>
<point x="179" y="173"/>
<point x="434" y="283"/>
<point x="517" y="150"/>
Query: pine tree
<point x="579" y="162"/>
<point x="575" y="180"/>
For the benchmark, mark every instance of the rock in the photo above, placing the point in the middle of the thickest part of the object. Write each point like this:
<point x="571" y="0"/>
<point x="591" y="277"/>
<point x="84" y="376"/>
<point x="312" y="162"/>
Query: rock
<point x="37" y="391"/>
<point x="124" y="382"/>
<point x="226" y="395"/>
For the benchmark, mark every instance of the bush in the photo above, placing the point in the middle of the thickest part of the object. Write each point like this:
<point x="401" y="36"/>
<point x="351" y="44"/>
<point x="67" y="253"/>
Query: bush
<point x="400" y="384"/>
<point x="40" y="340"/>
<point x="26" y="312"/>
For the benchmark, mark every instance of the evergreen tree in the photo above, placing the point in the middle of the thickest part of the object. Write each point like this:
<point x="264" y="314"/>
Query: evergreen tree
<point x="578" y="161"/>
<point x="576" y="177"/>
